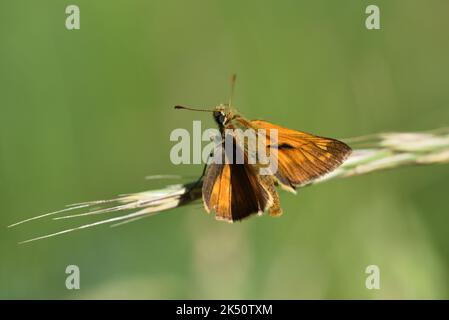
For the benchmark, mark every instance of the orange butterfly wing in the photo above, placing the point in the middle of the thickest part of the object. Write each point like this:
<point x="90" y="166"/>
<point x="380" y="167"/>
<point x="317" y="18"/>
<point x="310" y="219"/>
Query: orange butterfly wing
<point x="234" y="191"/>
<point x="234" y="194"/>
<point x="303" y="157"/>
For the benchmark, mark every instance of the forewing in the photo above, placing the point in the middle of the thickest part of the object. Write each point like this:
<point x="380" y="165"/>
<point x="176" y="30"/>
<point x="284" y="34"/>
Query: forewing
<point x="303" y="157"/>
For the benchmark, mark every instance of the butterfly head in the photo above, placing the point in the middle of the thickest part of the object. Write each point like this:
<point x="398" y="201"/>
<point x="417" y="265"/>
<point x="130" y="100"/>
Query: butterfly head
<point x="223" y="114"/>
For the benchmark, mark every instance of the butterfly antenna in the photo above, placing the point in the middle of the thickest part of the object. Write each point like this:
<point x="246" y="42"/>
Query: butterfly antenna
<point x="231" y="96"/>
<point x="193" y="109"/>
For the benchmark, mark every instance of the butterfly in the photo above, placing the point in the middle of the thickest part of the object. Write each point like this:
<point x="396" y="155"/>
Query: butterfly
<point x="235" y="191"/>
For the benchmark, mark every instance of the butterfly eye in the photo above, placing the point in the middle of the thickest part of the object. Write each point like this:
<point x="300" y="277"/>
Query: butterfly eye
<point x="219" y="117"/>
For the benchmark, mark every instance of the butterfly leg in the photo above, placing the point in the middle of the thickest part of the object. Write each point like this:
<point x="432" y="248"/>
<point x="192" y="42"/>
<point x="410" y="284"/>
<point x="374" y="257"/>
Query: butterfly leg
<point x="201" y="177"/>
<point x="275" y="209"/>
<point x="197" y="184"/>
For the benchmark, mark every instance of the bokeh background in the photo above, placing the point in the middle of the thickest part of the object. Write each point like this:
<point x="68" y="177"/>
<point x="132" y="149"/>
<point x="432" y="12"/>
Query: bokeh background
<point x="87" y="114"/>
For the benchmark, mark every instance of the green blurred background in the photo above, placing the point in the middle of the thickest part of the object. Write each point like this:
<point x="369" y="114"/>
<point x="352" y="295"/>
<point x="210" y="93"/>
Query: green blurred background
<point x="87" y="114"/>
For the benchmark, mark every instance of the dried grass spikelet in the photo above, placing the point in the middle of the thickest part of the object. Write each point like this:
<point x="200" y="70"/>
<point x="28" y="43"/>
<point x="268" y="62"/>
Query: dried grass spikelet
<point x="370" y="153"/>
